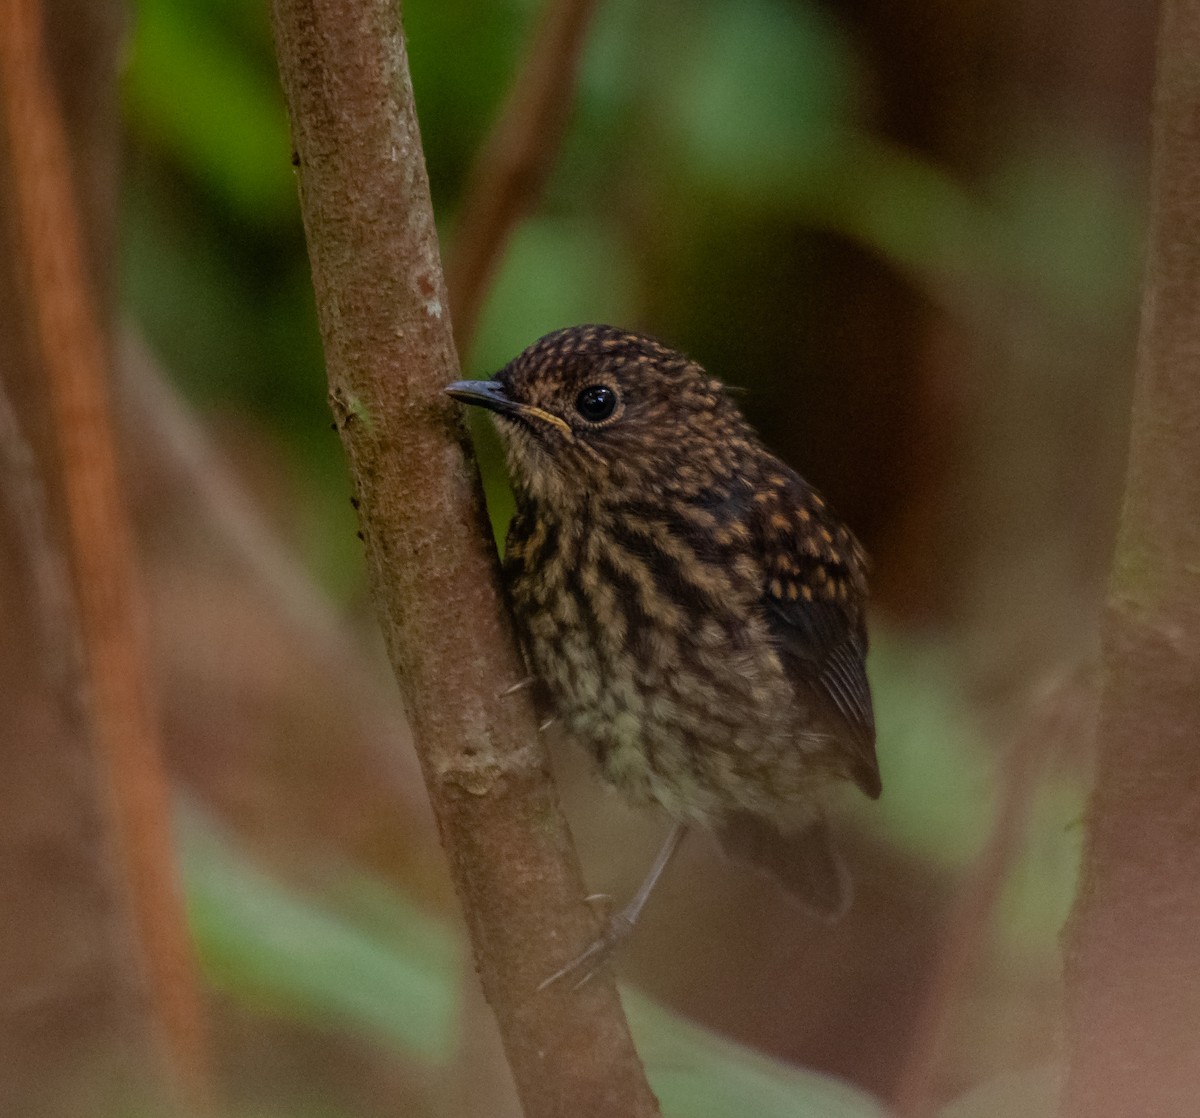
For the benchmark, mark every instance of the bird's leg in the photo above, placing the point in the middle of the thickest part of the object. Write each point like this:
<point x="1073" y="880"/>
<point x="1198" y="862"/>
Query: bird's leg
<point x="621" y="924"/>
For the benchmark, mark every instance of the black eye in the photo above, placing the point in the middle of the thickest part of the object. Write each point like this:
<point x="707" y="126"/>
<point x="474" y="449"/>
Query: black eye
<point x="596" y="403"/>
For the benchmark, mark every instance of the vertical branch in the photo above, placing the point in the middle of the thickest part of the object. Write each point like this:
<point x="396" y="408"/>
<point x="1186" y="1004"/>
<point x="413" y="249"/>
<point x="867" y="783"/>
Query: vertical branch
<point x="511" y="170"/>
<point x="1133" y="950"/>
<point x="381" y="302"/>
<point x="74" y="354"/>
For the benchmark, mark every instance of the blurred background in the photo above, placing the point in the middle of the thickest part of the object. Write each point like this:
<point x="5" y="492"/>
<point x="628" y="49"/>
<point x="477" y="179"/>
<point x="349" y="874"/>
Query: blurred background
<point x="911" y="232"/>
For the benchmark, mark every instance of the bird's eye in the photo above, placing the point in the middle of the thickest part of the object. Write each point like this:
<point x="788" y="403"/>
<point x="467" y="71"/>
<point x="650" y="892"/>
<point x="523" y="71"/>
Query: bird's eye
<point x="596" y="403"/>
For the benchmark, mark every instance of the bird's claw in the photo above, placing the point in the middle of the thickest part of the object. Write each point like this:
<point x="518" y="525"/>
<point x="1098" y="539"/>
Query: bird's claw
<point x="595" y="955"/>
<point x="520" y="685"/>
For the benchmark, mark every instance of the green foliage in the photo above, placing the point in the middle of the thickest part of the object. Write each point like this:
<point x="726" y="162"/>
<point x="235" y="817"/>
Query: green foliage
<point x="942" y="794"/>
<point x="698" y="1075"/>
<point x="462" y="55"/>
<point x="283" y="955"/>
<point x="557" y="270"/>
<point x="715" y="142"/>
<point x="377" y="966"/>
<point x="708" y="136"/>
<point x="395" y="975"/>
<point x="197" y="88"/>
<point x="935" y="769"/>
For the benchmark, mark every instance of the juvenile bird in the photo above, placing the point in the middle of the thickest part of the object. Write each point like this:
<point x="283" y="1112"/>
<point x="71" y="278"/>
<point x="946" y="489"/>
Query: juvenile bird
<point x="692" y="607"/>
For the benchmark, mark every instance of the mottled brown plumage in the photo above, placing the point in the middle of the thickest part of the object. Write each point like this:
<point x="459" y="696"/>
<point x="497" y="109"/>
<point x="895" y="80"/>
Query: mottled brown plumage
<point x="693" y="608"/>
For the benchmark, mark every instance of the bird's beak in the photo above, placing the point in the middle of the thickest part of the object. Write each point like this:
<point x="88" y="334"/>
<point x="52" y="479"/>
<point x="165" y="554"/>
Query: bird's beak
<point x="490" y="394"/>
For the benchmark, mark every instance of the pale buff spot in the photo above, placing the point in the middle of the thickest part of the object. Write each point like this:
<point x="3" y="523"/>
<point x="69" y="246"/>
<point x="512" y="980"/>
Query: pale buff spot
<point x="745" y="567"/>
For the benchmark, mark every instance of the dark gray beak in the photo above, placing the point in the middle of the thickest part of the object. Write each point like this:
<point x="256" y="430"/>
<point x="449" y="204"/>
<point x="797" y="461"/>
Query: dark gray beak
<point x="488" y="394"/>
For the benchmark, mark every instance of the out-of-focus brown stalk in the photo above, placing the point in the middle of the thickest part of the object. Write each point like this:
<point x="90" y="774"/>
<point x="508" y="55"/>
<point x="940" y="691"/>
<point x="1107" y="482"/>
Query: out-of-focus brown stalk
<point x="74" y="353"/>
<point x="1065" y="709"/>
<point x="26" y="506"/>
<point x="1133" y="948"/>
<point x="383" y="313"/>
<point x="512" y="167"/>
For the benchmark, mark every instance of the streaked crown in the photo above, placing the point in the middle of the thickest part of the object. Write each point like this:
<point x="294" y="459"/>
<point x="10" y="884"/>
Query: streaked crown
<point x="593" y="406"/>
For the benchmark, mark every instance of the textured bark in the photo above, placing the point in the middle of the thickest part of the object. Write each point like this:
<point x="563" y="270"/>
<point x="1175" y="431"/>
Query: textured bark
<point x="1133" y="960"/>
<point x="382" y="306"/>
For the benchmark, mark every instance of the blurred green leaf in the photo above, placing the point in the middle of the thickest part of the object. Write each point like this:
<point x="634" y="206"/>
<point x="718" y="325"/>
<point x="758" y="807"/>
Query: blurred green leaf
<point x="760" y="94"/>
<point x="937" y="778"/>
<point x="462" y="56"/>
<point x="396" y="975"/>
<point x="901" y="206"/>
<point x="941" y="795"/>
<point x="289" y="956"/>
<point x="696" y="1074"/>
<point x="190" y="90"/>
<point x="1068" y="227"/>
<point x="557" y="272"/>
<point x="1041" y="887"/>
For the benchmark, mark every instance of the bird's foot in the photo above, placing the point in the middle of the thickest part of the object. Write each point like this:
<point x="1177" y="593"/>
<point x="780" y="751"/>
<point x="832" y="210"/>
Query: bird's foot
<point x="584" y="966"/>
<point x="520" y="685"/>
<point x="618" y="926"/>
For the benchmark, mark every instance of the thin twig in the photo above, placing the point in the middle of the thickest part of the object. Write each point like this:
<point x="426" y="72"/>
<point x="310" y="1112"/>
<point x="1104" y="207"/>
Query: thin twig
<point x="74" y="355"/>
<point x="1063" y="709"/>
<point x="195" y="479"/>
<point x="28" y="512"/>
<point x="512" y="167"/>
<point x="158" y="419"/>
<point x="381" y="302"/>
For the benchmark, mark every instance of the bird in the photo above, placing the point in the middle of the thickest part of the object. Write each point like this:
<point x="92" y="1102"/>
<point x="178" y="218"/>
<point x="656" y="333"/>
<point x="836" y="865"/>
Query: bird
<point x="693" y="610"/>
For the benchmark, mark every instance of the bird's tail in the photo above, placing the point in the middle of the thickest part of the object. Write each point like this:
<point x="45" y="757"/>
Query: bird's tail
<point x="803" y="860"/>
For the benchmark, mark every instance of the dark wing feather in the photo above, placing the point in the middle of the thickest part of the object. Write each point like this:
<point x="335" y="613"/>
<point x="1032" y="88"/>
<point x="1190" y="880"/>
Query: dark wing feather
<point x="836" y="671"/>
<point x="814" y="593"/>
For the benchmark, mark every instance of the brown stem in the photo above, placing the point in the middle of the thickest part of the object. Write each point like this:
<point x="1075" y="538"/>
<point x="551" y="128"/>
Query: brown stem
<point x="74" y="354"/>
<point x="1133" y="949"/>
<point x="511" y="169"/>
<point x="161" y="426"/>
<point x="27" y="509"/>
<point x="381" y="302"/>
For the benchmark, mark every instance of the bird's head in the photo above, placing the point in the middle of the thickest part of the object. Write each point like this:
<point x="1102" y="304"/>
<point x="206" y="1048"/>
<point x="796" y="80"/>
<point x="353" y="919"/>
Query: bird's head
<point x="595" y="409"/>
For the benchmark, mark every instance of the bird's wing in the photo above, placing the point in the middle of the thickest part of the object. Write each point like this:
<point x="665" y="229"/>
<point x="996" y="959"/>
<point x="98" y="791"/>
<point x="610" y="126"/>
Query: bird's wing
<point x="814" y="591"/>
